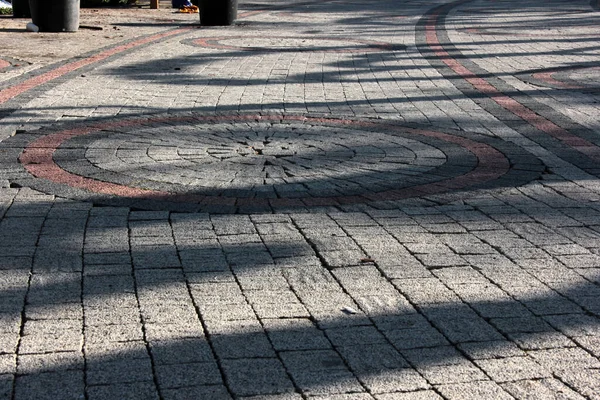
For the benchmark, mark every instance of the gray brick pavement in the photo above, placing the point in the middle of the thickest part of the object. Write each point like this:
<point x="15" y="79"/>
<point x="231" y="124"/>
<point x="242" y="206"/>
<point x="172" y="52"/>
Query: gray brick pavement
<point x="346" y="236"/>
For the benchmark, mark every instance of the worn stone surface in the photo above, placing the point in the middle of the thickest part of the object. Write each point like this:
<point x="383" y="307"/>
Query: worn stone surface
<point x="374" y="200"/>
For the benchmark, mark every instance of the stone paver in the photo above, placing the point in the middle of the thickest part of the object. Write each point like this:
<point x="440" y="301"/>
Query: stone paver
<point x="331" y="200"/>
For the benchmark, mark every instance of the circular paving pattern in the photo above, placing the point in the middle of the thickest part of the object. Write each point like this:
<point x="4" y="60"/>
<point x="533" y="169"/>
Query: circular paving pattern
<point x="199" y="162"/>
<point x="583" y="78"/>
<point x="293" y="44"/>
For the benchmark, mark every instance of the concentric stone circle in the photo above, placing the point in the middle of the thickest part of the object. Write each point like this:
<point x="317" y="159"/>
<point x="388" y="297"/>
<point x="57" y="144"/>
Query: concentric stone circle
<point x="257" y="159"/>
<point x="201" y="162"/>
<point x="329" y="44"/>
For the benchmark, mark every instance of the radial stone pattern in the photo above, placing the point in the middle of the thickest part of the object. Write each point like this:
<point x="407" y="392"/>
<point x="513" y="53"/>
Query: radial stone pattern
<point x="230" y="162"/>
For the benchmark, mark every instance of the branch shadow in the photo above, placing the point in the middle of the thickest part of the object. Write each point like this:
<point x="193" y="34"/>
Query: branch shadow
<point x="472" y="322"/>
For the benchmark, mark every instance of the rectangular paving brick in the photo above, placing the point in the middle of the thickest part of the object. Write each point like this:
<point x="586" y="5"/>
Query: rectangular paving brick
<point x="248" y="377"/>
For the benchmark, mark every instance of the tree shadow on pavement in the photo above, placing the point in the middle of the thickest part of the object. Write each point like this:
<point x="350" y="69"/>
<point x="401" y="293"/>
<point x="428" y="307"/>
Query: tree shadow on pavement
<point x="215" y="312"/>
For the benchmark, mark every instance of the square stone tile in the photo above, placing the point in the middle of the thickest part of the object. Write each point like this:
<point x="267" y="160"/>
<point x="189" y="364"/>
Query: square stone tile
<point x="6" y="386"/>
<point x="474" y="391"/>
<point x="329" y="382"/>
<point x="529" y="323"/>
<point x="111" y="371"/>
<point x="280" y="310"/>
<point x="354" y="335"/>
<point x="247" y="377"/>
<point x="113" y="333"/>
<point x="8" y="364"/>
<point x="415" y="338"/>
<point x="540" y="340"/>
<point x="493" y="349"/>
<point x="417" y="395"/>
<point x="548" y="388"/>
<point x="462" y="330"/>
<point x="455" y="373"/>
<point x="590" y="343"/>
<point x="295" y="334"/>
<point x="180" y="351"/>
<point x="60" y="340"/>
<point x="192" y="374"/>
<point x="585" y="381"/>
<point x="513" y="369"/>
<point x="50" y="362"/>
<point x="441" y="355"/>
<point x="373" y="358"/>
<point x="50" y="385"/>
<point x="245" y="345"/>
<point x="565" y="358"/>
<point x="403" y="379"/>
<point x="575" y="324"/>
<point x="212" y="392"/>
<point x="312" y="360"/>
<point x="174" y="331"/>
<point x="350" y="396"/>
<point x="124" y="391"/>
<point x="129" y="349"/>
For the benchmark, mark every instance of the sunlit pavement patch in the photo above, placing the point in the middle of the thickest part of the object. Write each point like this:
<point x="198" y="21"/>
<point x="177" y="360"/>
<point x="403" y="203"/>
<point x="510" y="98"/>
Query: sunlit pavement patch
<point x="229" y="163"/>
<point x="30" y="83"/>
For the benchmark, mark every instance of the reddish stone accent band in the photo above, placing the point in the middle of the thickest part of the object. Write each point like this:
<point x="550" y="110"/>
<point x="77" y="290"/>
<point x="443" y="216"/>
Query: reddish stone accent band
<point x="503" y="100"/>
<point x="31" y="83"/>
<point x="37" y="158"/>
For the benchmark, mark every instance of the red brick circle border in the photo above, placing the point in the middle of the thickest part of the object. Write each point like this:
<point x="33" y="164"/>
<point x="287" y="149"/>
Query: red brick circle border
<point x="37" y="159"/>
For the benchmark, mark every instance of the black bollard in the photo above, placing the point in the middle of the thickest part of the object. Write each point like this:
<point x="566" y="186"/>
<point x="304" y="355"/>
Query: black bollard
<point x="217" y="12"/>
<point x="55" y="15"/>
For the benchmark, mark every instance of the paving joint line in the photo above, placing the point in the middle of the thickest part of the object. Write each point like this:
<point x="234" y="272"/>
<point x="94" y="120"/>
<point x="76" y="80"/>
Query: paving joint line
<point x="202" y="321"/>
<point x="23" y="311"/>
<point x="141" y="314"/>
<point x="83" y="311"/>
<point x="325" y="267"/>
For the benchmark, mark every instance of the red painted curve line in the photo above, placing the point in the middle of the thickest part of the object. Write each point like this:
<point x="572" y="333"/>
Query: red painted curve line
<point x="4" y="64"/>
<point x="505" y="101"/>
<point x="548" y="78"/>
<point x="31" y="83"/>
<point x="37" y="158"/>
